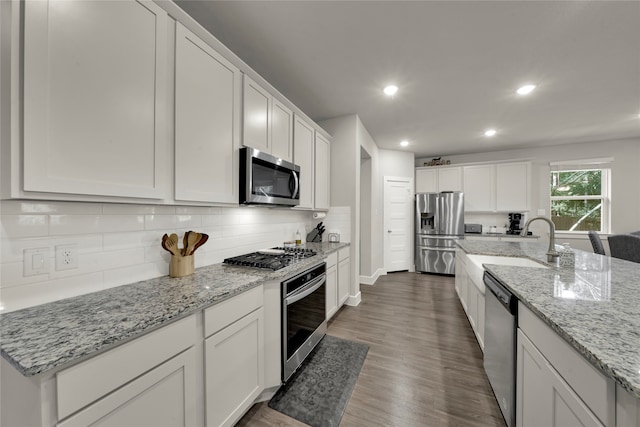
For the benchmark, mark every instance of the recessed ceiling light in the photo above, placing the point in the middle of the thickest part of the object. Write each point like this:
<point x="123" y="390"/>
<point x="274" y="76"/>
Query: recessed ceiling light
<point x="526" y="89"/>
<point x="391" y="90"/>
<point x="404" y="143"/>
<point x="490" y="132"/>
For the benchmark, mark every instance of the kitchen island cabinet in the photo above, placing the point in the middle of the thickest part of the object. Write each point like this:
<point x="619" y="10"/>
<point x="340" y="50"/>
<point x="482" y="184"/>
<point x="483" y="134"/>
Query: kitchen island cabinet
<point x="577" y="348"/>
<point x="207" y="122"/>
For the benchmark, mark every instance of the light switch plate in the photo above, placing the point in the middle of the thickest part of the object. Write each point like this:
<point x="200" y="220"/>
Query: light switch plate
<point x="36" y="261"/>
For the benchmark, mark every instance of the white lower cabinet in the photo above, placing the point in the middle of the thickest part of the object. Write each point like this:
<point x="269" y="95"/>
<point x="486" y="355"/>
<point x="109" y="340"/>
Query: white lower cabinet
<point x="234" y="377"/>
<point x="555" y="385"/>
<point x="332" y="285"/>
<point x="338" y="280"/>
<point x="165" y="396"/>
<point x="543" y="397"/>
<point x="471" y="296"/>
<point x="462" y="278"/>
<point x="234" y="356"/>
<point x="344" y="275"/>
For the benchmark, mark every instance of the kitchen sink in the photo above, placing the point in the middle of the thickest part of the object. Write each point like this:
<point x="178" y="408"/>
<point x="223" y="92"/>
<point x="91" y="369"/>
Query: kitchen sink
<point x="475" y="269"/>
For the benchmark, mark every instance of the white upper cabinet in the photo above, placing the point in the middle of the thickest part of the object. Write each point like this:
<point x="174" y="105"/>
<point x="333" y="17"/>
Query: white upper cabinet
<point x="257" y="115"/>
<point x="479" y="188"/>
<point x="303" y="151"/>
<point x="513" y="186"/>
<point x="268" y="124"/>
<point x="282" y="131"/>
<point x="436" y="179"/>
<point x="450" y="179"/>
<point x="95" y="89"/>
<point x="322" y="179"/>
<point x="501" y="187"/>
<point x="207" y="127"/>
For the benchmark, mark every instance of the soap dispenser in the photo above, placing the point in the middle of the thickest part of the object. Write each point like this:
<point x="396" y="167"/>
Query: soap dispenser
<point x="567" y="257"/>
<point x="298" y="238"/>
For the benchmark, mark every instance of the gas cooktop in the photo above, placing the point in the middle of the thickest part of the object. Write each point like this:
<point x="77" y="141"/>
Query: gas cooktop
<point x="274" y="258"/>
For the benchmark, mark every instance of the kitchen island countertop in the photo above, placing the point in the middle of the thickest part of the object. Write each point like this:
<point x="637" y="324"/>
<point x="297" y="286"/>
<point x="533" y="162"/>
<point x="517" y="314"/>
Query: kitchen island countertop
<point x="49" y="337"/>
<point x="593" y="307"/>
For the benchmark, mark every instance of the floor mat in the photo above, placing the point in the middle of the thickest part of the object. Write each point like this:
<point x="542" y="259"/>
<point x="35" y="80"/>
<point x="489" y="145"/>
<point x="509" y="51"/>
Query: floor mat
<point x="318" y="393"/>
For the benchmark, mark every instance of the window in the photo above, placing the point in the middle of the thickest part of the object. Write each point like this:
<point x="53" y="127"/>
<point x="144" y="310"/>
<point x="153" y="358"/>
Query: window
<point x="580" y="198"/>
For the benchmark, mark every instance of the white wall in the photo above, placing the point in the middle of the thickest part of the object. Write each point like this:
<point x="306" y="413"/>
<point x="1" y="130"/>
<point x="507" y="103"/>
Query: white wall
<point x="120" y="244"/>
<point x="625" y="180"/>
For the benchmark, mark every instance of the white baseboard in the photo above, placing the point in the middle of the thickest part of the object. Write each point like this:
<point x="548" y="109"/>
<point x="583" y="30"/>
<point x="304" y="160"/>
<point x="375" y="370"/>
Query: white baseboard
<point x="353" y="301"/>
<point x="370" y="280"/>
<point x="267" y="394"/>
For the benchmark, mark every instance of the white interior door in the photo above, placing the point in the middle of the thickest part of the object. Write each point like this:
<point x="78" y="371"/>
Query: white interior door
<point x="398" y="202"/>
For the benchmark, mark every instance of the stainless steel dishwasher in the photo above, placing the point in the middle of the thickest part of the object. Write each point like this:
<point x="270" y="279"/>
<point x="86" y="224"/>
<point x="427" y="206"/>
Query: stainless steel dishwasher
<point x="501" y="311"/>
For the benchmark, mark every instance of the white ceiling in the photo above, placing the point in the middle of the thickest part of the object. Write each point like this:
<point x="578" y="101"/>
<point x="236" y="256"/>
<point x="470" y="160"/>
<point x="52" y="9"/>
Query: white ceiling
<point x="457" y="64"/>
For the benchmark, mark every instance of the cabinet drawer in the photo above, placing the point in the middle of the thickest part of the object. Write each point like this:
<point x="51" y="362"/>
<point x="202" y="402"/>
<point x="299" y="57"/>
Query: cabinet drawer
<point x="332" y="259"/>
<point x="221" y="315"/>
<point x="86" y="382"/>
<point x="595" y="389"/>
<point x="343" y="253"/>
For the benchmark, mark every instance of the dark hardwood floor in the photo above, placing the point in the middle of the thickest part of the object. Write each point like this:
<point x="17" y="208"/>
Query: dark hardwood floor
<point x="424" y="366"/>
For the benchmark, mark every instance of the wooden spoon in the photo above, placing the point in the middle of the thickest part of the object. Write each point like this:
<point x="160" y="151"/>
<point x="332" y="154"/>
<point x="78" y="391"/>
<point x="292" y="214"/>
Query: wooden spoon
<point x="200" y="242"/>
<point x="172" y="244"/>
<point x="185" y="240"/>
<point x="192" y="239"/>
<point x="164" y="242"/>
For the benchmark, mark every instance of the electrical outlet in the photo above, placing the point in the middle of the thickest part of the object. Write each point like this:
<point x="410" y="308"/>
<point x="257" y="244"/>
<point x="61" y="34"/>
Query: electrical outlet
<point x="67" y="256"/>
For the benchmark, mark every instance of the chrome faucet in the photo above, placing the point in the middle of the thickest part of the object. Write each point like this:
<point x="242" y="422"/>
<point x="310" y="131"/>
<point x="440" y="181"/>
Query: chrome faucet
<point x="552" y="254"/>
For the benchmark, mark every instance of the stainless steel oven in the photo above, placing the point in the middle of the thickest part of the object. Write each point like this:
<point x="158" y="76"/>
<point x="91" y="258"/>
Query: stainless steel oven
<point x="267" y="180"/>
<point x="303" y="316"/>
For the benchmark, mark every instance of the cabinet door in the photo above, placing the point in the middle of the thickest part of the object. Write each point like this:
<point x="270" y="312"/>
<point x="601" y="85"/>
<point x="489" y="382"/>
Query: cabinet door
<point x="450" y="179"/>
<point x="332" y="291"/>
<point x="207" y="114"/>
<point x="472" y="305"/>
<point x="479" y="188"/>
<point x="303" y="138"/>
<point x="321" y="178"/>
<point x="344" y="280"/>
<point x="543" y="398"/>
<point x="95" y="98"/>
<point x="480" y="321"/>
<point x="257" y="116"/>
<point x="426" y="180"/>
<point x="282" y="131"/>
<point x="512" y="189"/>
<point x="234" y="375"/>
<point x="165" y="396"/>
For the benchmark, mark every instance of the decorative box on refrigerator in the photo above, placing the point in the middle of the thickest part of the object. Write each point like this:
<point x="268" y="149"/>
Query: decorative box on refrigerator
<point x="439" y="223"/>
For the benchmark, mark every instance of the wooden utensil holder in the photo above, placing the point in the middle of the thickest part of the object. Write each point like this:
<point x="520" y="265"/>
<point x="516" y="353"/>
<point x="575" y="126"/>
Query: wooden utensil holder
<point x="181" y="266"/>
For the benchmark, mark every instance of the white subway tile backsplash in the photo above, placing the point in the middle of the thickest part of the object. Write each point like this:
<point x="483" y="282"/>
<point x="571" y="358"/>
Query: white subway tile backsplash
<point x="86" y="224"/>
<point x="168" y="223"/>
<point x="120" y="243"/>
<point x="125" y="209"/>
<point x="17" y="297"/>
<point x="40" y="207"/>
<point x="24" y="226"/>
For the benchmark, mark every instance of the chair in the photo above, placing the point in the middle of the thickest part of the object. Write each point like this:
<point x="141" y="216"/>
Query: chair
<point x="625" y="246"/>
<point x="635" y="233"/>
<point x="596" y="243"/>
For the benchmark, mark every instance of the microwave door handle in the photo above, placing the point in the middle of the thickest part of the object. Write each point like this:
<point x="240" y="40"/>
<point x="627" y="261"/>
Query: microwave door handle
<point x="297" y="184"/>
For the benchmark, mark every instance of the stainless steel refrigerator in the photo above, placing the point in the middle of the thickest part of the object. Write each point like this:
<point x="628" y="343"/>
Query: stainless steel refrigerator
<point x="439" y="223"/>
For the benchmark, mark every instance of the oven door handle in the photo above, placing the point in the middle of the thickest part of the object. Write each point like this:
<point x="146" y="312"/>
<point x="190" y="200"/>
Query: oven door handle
<point x="305" y="291"/>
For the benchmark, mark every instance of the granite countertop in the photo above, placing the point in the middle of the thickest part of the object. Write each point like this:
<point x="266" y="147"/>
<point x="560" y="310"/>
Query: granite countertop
<point x="52" y="336"/>
<point x="593" y="307"/>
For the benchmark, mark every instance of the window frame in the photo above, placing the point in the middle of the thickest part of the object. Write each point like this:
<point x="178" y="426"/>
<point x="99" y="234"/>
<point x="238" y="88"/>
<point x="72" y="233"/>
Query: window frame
<point x="604" y="196"/>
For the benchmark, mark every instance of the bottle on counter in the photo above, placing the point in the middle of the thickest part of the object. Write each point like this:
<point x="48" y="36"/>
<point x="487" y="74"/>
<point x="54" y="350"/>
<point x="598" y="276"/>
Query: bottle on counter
<point x="298" y="238"/>
<point x="567" y="257"/>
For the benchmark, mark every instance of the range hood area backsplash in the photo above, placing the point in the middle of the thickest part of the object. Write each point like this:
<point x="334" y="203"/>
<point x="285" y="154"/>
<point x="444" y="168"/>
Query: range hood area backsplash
<point x="118" y="244"/>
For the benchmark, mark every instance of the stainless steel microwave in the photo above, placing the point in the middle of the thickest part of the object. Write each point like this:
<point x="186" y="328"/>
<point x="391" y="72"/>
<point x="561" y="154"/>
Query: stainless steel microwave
<point x="267" y="180"/>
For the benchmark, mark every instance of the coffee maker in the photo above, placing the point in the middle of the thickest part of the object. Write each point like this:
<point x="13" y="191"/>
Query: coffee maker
<point x="514" y="223"/>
